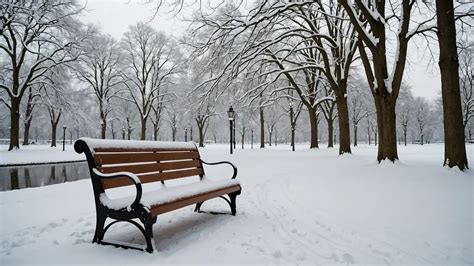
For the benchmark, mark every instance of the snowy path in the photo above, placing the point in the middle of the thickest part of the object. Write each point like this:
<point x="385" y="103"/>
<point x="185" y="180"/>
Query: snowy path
<point x="302" y="207"/>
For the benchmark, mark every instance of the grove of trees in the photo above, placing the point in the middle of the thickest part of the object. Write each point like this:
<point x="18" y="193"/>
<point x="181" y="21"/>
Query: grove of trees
<point x="308" y="71"/>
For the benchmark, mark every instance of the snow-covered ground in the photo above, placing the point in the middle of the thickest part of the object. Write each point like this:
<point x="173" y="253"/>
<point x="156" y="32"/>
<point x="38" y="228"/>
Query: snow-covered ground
<point x="33" y="154"/>
<point x="308" y="206"/>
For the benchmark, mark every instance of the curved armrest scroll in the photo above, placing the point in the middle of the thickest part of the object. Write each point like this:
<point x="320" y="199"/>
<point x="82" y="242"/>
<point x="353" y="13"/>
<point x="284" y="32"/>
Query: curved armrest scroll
<point x="136" y="181"/>
<point x="233" y="166"/>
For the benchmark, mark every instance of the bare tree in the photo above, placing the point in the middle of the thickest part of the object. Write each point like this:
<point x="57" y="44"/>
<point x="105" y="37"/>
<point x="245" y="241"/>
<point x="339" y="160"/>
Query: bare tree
<point x="328" y="108"/>
<point x="405" y="109"/>
<point x="37" y="36"/>
<point x="31" y="103"/>
<point x="151" y="62"/>
<point x="172" y="121"/>
<point x="454" y="141"/>
<point x="55" y="98"/>
<point x="422" y="110"/>
<point x="359" y="108"/>
<point x="372" y="21"/>
<point x="99" y="69"/>
<point x="467" y="84"/>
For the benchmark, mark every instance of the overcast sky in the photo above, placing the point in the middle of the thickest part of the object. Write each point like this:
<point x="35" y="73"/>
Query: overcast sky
<point x="114" y="17"/>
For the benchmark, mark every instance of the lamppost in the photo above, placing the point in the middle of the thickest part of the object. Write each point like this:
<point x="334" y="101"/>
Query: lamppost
<point x="186" y="134"/>
<point x="292" y="114"/>
<point x="64" y="138"/>
<point x="233" y="135"/>
<point x="231" y="115"/>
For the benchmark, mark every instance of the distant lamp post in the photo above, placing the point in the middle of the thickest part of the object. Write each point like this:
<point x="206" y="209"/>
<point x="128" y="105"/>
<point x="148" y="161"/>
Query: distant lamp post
<point x="292" y="123"/>
<point x="231" y="115"/>
<point x="186" y="134"/>
<point x="64" y="138"/>
<point x="233" y="134"/>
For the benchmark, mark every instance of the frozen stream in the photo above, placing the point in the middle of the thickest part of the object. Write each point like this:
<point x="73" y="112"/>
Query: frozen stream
<point x="18" y="177"/>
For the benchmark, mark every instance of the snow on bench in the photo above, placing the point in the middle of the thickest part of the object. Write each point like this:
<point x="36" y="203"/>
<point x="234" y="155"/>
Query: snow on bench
<point x="118" y="163"/>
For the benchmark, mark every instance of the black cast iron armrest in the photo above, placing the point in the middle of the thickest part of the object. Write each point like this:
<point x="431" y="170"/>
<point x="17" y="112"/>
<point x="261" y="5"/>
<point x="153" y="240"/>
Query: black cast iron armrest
<point x="233" y="166"/>
<point x="136" y="181"/>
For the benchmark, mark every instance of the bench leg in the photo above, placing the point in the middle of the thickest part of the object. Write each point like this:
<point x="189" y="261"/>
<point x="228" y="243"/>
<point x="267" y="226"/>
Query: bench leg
<point x="99" y="228"/>
<point x="198" y="207"/>
<point x="150" y="243"/>
<point x="233" y="206"/>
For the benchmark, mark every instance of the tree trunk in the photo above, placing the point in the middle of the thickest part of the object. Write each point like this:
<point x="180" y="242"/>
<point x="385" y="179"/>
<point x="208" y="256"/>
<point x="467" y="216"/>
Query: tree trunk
<point x="143" y="134"/>
<point x="155" y="133"/>
<point x="293" y="138"/>
<point x="313" y="120"/>
<point x="454" y="141"/>
<point x="54" y="126"/>
<point x="262" y="129"/>
<point x="330" y="133"/>
<point x="26" y="133"/>
<point x="344" y="131"/>
<point x="243" y="139"/>
<point x="28" y="118"/>
<point x="103" y="129"/>
<point x="276" y="137"/>
<point x="14" y="124"/>
<point x="201" y="135"/>
<point x="269" y="138"/>
<point x="355" y="134"/>
<point x="386" y="125"/>
<point x="405" y="136"/>
<point x="368" y="132"/>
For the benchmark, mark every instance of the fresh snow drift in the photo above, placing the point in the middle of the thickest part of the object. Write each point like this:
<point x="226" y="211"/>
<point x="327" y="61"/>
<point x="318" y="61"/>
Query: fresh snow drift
<point x="308" y="206"/>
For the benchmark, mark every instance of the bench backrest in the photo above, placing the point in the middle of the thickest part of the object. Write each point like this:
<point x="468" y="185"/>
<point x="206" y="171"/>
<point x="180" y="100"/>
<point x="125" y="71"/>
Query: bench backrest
<point x="151" y="161"/>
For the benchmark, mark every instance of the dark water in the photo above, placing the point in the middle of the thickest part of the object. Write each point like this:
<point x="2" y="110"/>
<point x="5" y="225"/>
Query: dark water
<point x="18" y="177"/>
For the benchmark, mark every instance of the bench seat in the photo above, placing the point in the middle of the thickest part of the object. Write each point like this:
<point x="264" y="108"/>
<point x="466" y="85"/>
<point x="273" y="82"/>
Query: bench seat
<point x="134" y="164"/>
<point x="166" y="195"/>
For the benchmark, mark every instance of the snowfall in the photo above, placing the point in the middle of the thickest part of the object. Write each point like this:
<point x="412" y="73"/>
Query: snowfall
<point x="304" y="207"/>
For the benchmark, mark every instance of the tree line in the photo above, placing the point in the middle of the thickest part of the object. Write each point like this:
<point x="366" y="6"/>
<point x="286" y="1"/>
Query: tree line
<point x="340" y="62"/>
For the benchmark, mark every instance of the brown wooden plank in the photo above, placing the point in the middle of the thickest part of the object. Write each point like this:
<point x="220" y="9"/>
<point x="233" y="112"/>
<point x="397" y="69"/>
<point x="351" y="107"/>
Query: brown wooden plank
<point x="134" y="157"/>
<point x="156" y="210"/>
<point x="147" y="178"/>
<point x="139" y="149"/>
<point x="179" y="165"/>
<point x="116" y="182"/>
<point x="151" y="167"/>
<point x="136" y="169"/>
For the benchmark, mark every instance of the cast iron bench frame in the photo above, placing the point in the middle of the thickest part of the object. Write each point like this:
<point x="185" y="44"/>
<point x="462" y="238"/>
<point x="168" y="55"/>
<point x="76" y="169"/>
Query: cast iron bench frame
<point x="147" y="216"/>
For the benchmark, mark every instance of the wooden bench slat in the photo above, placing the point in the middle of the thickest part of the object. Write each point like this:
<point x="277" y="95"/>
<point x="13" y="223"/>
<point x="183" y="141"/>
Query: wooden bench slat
<point x="140" y="149"/>
<point x="156" y="210"/>
<point x="151" y="167"/>
<point x="147" y="178"/>
<point x="135" y="157"/>
<point x="177" y="174"/>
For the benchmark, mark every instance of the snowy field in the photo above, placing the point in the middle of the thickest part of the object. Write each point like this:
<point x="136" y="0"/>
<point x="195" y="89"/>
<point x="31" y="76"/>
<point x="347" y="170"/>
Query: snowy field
<point x="38" y="154"/>
<point x="308" y="206"/>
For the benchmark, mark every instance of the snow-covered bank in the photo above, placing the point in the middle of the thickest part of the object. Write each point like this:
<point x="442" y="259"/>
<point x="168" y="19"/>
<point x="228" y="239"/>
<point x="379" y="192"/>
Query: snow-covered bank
<point x="38" y="154"/>
<point x="308" y="206"/>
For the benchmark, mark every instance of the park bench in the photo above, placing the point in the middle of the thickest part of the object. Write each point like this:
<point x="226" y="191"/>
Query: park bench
<point x="148" y="164"/>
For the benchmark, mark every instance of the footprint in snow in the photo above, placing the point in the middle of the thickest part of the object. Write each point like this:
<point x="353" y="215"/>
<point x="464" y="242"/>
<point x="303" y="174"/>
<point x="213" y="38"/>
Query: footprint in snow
<point x="347" y="258"/>
<point x="277" y="254"/>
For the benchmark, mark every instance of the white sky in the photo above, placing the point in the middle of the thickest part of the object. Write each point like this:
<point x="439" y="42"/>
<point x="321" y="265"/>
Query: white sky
<point x="114" y="17"/>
